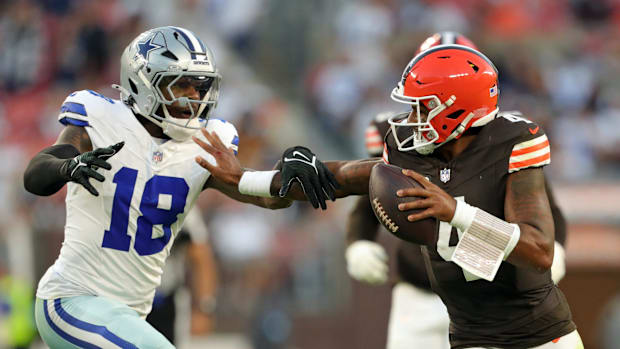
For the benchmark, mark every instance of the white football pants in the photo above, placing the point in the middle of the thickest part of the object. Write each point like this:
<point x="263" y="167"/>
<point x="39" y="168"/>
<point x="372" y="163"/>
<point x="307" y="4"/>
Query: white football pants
<point x="418" y="319"/>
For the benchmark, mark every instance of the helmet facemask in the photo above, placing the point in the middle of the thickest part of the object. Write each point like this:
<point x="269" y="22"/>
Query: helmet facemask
<point x="423" y="134"/>
<point x="184" y="101"/>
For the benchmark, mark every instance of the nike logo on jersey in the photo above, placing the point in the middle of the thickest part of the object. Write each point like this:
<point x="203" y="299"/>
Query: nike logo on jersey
<point x="534" y="130"/>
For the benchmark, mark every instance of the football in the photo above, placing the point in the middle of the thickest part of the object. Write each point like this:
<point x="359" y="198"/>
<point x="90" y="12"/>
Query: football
<point x="385" y="180"/>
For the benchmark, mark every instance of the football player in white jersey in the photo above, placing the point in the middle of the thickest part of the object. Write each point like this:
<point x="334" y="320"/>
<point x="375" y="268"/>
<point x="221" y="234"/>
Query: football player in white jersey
<point x="139" y="150"/>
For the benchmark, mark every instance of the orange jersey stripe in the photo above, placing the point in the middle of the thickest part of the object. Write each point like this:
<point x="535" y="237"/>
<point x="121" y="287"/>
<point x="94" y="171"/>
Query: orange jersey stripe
<point x="530" y="162"/>
<point x="374" y="144"/>
<point x="530" y="149"/>
<point x="385" y="154"/>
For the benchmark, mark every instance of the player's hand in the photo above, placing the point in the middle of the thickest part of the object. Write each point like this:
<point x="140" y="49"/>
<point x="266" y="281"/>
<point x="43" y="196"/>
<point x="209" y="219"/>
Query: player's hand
<point x="434" y="201"/>
<point x="318" y="183"/>
<point x="367" y="262"/>
<point x="83" y="167"/>
<point x="227" y="168"/>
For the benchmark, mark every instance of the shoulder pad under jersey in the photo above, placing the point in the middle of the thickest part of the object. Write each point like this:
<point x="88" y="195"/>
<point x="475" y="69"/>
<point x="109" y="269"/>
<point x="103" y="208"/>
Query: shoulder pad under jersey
<point x="226" y="131"/>
<point x="77" y="107"/>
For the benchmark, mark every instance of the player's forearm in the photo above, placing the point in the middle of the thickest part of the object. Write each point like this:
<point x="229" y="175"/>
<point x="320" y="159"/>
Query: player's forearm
<point x="559" y="221"/>
<point x="275" y="203"/>
<point x="362" y="224"/>
<point x="44" y="174"/>
<point x="534" y="249"/>
<point x="528" y="206"/>
<point x="352" y="176"/>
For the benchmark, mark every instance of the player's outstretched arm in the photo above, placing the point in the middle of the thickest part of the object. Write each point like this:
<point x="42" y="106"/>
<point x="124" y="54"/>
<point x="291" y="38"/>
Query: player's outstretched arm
<point x="255" y="187"/>
<point x="71" y="158"/>
<point x="301" y="180"/>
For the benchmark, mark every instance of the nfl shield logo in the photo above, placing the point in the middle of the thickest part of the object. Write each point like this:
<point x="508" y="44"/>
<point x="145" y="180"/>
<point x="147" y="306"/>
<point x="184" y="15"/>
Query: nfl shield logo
<point x="444" y="175"/>
<point x="158" y="156"/>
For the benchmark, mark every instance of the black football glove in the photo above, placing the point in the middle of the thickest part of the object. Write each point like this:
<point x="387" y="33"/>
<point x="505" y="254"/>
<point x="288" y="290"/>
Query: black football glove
<point x="82" y="167"/>
<point x="318" y="183"/>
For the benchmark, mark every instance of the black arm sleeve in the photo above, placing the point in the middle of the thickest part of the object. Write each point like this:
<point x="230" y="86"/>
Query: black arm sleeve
<point x="558" y="218"/>
<point x="44" y="175"/>
<point x="362" y="224"/>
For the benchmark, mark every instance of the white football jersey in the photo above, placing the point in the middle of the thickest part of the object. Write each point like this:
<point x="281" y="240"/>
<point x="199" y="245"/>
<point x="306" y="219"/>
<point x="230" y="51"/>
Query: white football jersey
<point x="116" y="244"/>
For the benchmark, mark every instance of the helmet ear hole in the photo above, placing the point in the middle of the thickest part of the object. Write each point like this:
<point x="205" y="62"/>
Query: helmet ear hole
<point x="455" y="115"/>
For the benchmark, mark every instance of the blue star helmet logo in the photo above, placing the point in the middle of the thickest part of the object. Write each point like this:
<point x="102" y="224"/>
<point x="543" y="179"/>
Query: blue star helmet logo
<point x="145" y="47"/>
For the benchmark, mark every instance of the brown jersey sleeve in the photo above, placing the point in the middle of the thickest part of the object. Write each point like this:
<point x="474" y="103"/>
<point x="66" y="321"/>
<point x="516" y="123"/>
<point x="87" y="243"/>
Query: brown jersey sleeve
<point x="531" y="148"/>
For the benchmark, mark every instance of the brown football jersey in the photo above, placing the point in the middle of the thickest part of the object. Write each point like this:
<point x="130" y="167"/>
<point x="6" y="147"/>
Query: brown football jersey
<point x="410" y="267"/>
<point x="520" y="308"/>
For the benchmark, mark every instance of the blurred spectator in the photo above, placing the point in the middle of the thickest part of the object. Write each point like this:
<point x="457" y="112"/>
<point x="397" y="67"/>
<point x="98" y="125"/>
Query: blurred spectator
<point x="23" y="46"/>
<point x="84" y="47"/>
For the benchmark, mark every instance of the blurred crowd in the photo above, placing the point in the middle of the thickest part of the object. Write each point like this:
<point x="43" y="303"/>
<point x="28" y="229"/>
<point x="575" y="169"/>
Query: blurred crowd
<point x="313" y="73"/>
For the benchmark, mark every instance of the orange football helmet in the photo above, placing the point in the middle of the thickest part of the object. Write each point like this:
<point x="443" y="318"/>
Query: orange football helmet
<point x="456" y="86"/>
<point x="445" y="38"/>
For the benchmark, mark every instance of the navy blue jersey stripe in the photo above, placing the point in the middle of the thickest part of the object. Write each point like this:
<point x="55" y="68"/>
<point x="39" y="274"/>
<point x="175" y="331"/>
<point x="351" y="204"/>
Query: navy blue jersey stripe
<point x="235" y="142"/>
<point x="75" y="122"/>
<point x="73" y="107"/>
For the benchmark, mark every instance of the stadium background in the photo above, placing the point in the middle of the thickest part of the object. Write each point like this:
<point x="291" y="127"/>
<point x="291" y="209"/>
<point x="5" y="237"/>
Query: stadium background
<point x="315" y="73"/>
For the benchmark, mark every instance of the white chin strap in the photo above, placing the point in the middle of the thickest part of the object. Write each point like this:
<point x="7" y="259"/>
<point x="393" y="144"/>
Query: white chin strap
<point x="426" y="149"/>
<point x="180" y="133"/>
<point x="172" y="126"/>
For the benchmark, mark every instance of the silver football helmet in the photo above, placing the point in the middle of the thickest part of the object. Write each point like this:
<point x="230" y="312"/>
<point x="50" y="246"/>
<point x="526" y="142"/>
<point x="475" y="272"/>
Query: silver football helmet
<point x="169" y="76"/>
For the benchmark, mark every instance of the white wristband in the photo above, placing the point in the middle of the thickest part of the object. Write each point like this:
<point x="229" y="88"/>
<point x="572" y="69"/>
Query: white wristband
<point x="256" y="183"/>
<point x="464" y="215"/>
<point x="485" y="241"/>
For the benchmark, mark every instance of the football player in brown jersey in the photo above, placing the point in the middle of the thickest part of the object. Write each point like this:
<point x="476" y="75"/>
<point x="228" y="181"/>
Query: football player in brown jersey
<point x="367" y="260"/>
<point x="483" y="180"/>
